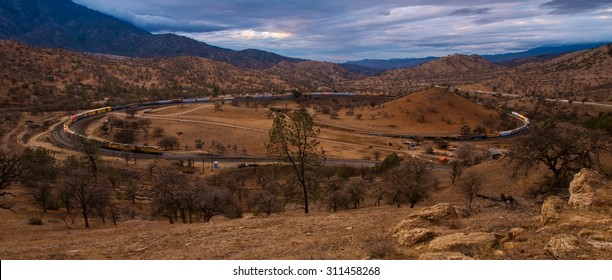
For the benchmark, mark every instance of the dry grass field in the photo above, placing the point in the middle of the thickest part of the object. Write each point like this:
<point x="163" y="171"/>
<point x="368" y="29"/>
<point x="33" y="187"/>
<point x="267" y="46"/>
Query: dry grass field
<point x="363" y="233"/>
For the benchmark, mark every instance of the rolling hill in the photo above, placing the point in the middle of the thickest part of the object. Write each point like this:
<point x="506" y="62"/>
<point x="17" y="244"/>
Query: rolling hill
<point x="64" y="24"/>
<point x="434" y="111"/>
<point x="578" y="75"/>
<point x="68" y="79"/>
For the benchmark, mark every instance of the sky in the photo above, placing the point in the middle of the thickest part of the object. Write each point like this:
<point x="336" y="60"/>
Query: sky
<point x="342" y="30"/>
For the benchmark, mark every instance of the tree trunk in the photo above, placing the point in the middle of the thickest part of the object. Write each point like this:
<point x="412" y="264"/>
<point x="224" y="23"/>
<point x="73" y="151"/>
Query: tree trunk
<point x="85" y="219"/>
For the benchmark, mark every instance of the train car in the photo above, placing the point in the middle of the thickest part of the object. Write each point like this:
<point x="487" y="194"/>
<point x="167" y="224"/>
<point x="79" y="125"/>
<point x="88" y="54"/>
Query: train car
<point x="163" y="102"/>
<point x="148" y="150"/>
<point x="344" y="94"/>
<point x="119" y="107"/>
<point x="121" y="146"/>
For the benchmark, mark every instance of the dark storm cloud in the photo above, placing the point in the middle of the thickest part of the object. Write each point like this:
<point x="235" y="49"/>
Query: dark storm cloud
<point x="572" y="6"/>
<point x="471" y="12"/>
<point x="337" y="30"/>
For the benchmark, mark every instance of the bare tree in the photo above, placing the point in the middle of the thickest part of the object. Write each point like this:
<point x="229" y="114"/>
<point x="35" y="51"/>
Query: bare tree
<point x="83" y="187"/>
<point x="467" y="154"/>
<point x="40" y="175"/>
<point x="457" y="167"/>
<point x="356" y="191"/>
<point x="11" y="169"/>
<point x="89" y="152"/>
<point x="293" y="141"/>
<point x="189" y="198"/>
<point x="165" y="196"/>
<point x="132" y="186"/>
<point x="470" y="186"/>
<point x="215" y="201"/>
<point x="158" y="132"/>
<point x="335" y="195"/>
<point x="266" y="202"/>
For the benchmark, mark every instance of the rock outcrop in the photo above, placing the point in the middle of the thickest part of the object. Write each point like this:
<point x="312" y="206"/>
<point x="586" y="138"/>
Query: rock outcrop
<point x="562" y="246"/>
<point x="424" y="225"/>
<point x="414" y="236"/>
<point x="584" y="188"/>
<point x="442" y="214"/>
<point x="462" y="242"/>
<point x="551" y="208"/>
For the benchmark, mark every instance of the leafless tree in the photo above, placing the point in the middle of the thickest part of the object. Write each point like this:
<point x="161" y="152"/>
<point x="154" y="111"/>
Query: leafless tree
<point x="470" y="186"/>
<point x="335" y="195"/>
<point x="158" y="132"/>
<point x="357" y="192"/>
<point x="40" y="175"/>
<point x="82" y="186"/>
<point x="165" y="196"/>
<point x="11" y="169"/>
<point x="215" y="201"/>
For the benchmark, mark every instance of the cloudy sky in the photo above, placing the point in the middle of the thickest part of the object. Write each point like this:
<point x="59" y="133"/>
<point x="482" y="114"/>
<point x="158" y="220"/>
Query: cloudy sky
<point x="341" y="30"/>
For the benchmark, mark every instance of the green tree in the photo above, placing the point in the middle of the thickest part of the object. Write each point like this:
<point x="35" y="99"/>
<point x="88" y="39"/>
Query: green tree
<point x="292" y="140"/>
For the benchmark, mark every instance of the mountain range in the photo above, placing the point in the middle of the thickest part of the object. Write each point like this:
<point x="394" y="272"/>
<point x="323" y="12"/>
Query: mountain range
<point x="64" y="24"/>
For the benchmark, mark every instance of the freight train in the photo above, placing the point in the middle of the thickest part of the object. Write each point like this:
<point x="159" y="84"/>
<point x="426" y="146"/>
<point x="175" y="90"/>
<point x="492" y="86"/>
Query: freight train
<point x="158" y="151"/>
<point x="144" y="148"/>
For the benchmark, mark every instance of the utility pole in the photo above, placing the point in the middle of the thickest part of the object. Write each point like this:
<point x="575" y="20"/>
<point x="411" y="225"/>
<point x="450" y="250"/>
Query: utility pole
<point x="212" y="166"/>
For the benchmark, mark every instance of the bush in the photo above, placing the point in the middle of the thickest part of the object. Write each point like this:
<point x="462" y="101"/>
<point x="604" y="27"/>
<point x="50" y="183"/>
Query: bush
<point x="382" y="247"/>
<point x="35" y="221"/>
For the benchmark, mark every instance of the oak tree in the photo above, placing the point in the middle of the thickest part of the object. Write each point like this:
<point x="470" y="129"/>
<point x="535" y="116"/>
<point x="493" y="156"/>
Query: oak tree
<point x="293" y="140"/>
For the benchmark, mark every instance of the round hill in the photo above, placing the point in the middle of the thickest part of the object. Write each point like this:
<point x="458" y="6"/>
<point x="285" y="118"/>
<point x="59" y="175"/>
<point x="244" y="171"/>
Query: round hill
<point x="435" y="111"/>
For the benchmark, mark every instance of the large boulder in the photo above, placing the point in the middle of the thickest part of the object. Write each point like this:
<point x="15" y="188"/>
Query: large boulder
<point x="551" y="208"/>
<point x="584" y="187"/>
<point x="473" y="242"/>
<point x="414" y="236"/>
<point x="442" y="214"/>
<point x="562" y="246"/>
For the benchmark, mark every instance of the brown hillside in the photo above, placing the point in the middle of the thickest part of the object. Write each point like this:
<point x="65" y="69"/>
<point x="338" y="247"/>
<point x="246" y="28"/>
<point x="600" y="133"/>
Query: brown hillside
<point x="31" y="76"/>
<point x="453" y="70"/>
<point x="580" y="75"/>
<point x="450" y="66"/>
<point x="312" y="75"/>
<point x="435" y="111"/>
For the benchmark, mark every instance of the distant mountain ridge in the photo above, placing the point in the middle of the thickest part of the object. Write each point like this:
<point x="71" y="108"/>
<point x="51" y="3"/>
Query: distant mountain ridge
<point x="539" y="54"/>
<point x="64" y="24"/>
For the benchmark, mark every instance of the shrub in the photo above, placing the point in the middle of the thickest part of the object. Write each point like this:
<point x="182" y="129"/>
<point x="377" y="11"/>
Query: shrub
<point x="35" y="221"/>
